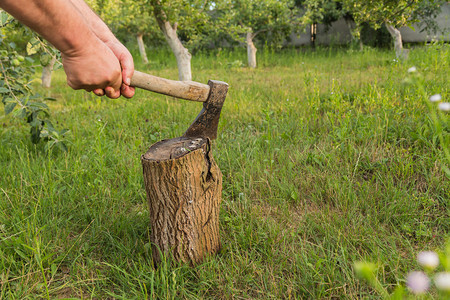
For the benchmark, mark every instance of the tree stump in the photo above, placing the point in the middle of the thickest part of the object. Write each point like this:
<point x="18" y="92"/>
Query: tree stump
<point x="184" y="191"/>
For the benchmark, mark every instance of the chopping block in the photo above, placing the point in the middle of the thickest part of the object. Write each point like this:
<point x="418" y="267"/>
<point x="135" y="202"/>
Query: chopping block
<point x="182" y="181"/>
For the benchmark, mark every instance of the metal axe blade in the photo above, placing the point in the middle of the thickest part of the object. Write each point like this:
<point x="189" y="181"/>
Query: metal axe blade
<point x="207" y="121"/>
<point x="212" y="95"/>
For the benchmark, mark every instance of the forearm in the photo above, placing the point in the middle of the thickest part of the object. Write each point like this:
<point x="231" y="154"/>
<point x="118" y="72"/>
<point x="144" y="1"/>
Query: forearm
<point x="54" y="20"/>
<point x="94" y="21"/>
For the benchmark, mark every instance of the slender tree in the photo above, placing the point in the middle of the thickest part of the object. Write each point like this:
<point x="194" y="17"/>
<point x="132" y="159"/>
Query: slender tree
<point x="181" y="15"/>
<point x="139" y="22"/>
<point x="131" y="16"/>
<point x="393" y="14"/>
<point x="272" y="19"/>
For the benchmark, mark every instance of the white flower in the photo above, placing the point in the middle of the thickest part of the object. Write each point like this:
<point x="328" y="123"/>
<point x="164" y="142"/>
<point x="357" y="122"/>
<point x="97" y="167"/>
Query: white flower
<point x="435" y="98"/>
<point x="442" y="281"/>
<point x="412" y="70"/>
<point x="444" y="106"/>
<point x="418" y="282"/>
<point x="428" y="259"/>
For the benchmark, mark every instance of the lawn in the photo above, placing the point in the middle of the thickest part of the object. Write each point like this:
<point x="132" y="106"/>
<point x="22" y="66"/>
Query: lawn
<point x="328" y="158"/>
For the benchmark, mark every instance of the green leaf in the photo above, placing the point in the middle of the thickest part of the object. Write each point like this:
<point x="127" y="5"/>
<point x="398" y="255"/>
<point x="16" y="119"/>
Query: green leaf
<point x="63" y="132"/>
<point x="45" y="59"/>
<point x="61" y="146"/>
<point x="53" y="268"/>
<point x="411" y="27"/>
<point x="50" y="127"/>
<point x="4" y="18"/>
<point x="32" y="48"/>
<point x="50" y="98"/>
<point x="35" y="122"/>
<point x="35" y="134"/>
<point x="49" y="145"/>
<point x="21" y="113"/>
<point x="39" y="105"/>
<point x="3" y="90"/>
<point x="57" y="66"/>
<point x="44" y="134"/>
<point x="10" y="107"/>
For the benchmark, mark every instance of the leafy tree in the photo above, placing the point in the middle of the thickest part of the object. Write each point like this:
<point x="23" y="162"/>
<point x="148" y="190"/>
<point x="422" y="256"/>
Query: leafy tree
<point x="131" y="16"/>
<point x="16" y="91"/>
<point x="24" y="38"/>
<point x="319" y="12"/>
<point x="188" y="17"/>
<point x="49" y="57"/>
<point x="427" y="12"/>
<point x="393" y="14"/>
<point x="272" y="20"/>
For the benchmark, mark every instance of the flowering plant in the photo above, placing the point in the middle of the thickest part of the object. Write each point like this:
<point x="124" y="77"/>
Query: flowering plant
<point x="434" y="278"/>
<point x="438" y="111"/>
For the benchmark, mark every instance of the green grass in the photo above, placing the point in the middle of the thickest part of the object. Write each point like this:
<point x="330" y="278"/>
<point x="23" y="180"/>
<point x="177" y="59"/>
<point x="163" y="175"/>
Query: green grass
<point x="327" y="159"/>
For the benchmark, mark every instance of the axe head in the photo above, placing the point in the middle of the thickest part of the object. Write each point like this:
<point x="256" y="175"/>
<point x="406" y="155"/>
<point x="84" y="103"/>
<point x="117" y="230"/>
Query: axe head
<point x="207" y="121"/>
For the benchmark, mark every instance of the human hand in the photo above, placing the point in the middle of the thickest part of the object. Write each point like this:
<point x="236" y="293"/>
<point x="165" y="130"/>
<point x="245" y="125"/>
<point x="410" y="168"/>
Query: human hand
<point x="127" y="64"/>
<point x="94" y="67"/>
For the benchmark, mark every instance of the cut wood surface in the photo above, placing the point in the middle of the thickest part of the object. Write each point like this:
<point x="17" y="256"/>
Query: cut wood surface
<point x="184" y="191"/>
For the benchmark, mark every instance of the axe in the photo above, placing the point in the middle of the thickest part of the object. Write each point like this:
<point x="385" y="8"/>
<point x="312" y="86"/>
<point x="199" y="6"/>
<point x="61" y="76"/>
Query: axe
<point x="212" y="95"/>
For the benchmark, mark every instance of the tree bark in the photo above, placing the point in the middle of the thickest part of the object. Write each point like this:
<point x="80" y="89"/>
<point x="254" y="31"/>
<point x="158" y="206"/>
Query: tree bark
<point x="313" y="34"/>
<point x="251" y="50"/>
<point x="184" y="191"/>
<point x="400" y="53"/>
<point x="141" y="45"/>
<point x="182" y="54"/>
<point x="47" y="73"/>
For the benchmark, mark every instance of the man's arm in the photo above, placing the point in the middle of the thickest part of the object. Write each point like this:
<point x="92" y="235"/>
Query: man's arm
<point x="88" y="62"/>
<point x="104" y="33"/>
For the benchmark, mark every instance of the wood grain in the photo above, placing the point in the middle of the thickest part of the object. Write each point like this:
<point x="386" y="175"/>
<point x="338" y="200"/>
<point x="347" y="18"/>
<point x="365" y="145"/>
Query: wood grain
<point x="184" y="194"/>
<point x="188" y="90"/>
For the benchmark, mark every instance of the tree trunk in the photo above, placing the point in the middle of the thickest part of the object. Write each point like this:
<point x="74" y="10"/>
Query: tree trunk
<point x="184" y="191"/>
<point x="355" y="32"/>
<point x="251" y="50"/>
<point x="313" y="35"/>
<point x="170" y="33"/>
<point x="141" y="45"/>
<point x="47" y="73"/>
<point x="182" y="54"/>
<point x="400" y="53"/>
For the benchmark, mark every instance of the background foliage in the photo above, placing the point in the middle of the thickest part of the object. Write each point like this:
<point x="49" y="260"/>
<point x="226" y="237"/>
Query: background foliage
<point x="330" y="156"/>
<point x="16" y="90"/>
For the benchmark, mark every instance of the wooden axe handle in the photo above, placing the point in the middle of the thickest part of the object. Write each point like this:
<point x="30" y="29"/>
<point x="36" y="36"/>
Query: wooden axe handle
<point x="188" y="90"/>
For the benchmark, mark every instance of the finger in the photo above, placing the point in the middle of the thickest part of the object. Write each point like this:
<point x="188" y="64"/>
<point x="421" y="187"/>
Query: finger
<point x="112" y="93"/>
<point x="99" y="92"/>
<point x="127" y="91"/>
<point x="127" y="64"/>
<point x="117" y="83"/>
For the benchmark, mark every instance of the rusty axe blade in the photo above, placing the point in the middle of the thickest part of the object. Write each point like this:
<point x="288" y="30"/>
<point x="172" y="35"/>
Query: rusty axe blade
<point x="212" y="95"/>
